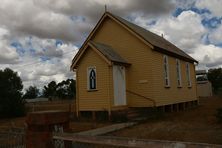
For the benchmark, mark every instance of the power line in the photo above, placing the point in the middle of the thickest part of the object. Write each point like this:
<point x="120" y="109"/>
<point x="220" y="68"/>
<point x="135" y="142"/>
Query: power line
<point x="38" y="82"/>
<point x="37" y="62"/>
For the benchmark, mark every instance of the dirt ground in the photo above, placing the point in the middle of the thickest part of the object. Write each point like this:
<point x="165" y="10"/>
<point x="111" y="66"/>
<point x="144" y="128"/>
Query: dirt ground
<point x="65" y="105"/>
<point x="194" y="125"/>
<point x="75" y="126"/>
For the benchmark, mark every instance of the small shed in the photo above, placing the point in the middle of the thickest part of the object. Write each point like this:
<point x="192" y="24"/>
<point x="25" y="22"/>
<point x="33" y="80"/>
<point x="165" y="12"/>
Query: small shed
<point x="204" y="87"/>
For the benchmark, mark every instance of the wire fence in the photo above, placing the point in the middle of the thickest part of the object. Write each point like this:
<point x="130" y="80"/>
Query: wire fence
<point x="12" y="138"/>
<point x="58" y="143"/>
<point x="86" y="141"/>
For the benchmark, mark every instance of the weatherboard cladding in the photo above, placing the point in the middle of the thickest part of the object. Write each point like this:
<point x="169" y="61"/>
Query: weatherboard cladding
<point x="159" y="42"/>
<point x="144" y="76"/>
<point x="108" y="52"/>
<point x="98" y="99"/>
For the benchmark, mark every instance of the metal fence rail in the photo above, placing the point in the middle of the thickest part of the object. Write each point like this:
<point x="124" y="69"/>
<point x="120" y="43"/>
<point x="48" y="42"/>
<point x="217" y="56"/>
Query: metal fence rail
<point x="12" y="138"/>
<point x="83" y="141"/>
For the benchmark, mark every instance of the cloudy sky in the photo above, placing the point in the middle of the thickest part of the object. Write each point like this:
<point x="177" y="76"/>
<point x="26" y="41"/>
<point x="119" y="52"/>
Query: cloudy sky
<point x="38" y="38"/>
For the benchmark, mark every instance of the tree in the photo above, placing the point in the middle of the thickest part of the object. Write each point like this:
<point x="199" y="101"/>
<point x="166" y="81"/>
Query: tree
<point x="61" y="90"/>
<point x="31" y="93"/>
<point x="66" y="89"/>
<point x="11" y="102"/>
<point x="215" y="77"/>
<point x="50" y="90"/>
<point x="72" y="89"/>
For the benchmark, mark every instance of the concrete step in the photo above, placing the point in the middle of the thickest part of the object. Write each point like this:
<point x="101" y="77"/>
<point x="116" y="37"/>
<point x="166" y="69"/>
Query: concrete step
<point x="133" y="113"/>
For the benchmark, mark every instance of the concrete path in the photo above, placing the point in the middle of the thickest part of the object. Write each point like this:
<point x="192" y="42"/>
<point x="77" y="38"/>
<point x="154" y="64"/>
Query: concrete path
<point x="107" y="129"/>
<point x="92" y="138"/>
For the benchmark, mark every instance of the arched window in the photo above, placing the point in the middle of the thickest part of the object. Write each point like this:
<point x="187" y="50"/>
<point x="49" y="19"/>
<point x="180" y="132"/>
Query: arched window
<point x="91" y="78"/>
<point x="166" y="71"/>
<point x="188" y="74"/>
<point x="178" y="73"/>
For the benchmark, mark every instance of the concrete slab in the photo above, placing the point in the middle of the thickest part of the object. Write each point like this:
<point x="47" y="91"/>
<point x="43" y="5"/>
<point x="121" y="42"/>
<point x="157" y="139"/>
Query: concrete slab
<point x="107" y="129"/>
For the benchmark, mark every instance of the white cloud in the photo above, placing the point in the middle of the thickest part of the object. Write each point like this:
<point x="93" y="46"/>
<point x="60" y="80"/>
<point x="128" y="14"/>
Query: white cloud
<point x="51" y="18"/>
<point x="185" y="4"/>
<point x="215" y="6"/>
<point x="8" y="54"/>
<point x="46" y="48"/>
<point x="26" y="18"/>
<point x="35" y="71"/>
<point x="208" y="55"/>
<point x="215" y="35"/>
<point x="185" y="31"/>
<point x="56" y="69"/>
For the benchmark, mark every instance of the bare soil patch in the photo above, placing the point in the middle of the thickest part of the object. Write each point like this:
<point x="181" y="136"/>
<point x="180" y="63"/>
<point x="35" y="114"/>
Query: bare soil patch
<point x="194" y="125"/>
<point x="67" y="105"/>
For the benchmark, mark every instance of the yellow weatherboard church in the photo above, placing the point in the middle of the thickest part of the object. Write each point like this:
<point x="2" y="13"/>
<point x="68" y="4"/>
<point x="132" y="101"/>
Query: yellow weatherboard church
<point x="122" y="65"/>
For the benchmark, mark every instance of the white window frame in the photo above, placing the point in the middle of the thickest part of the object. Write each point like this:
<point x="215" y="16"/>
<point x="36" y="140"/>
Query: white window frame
<point x="89" y="69"/>
<point x="178" y="72"/>
<point x="166" y="71"/>
<point x="188" y="74"/>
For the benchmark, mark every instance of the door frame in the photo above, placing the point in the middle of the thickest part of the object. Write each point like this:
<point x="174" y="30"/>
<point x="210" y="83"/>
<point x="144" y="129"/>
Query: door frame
<point x="119" y="85"/>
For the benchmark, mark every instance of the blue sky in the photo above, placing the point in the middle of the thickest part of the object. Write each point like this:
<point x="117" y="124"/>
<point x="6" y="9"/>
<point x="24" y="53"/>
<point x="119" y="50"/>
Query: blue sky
<point x="39" y="38"/>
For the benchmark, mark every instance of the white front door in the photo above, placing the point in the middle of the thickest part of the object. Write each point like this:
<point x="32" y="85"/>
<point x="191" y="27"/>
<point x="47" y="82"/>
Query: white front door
<point x="119" y="85"/>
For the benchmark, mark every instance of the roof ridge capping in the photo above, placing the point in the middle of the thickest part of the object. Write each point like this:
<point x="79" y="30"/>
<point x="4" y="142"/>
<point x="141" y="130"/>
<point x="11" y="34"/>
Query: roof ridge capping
<point x="160" y="43"/>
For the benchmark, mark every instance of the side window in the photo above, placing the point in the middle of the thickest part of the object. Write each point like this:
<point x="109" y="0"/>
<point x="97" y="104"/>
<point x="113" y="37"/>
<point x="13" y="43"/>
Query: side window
<point x="166" y="71"/>
<point x="188" y="74"/>
<point x="178" y="70"/>
<point x="91" y="78"/>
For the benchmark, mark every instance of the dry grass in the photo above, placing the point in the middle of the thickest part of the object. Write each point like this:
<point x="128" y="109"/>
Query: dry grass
<point x="84" y="125"/>
<point x="195" y="125"/>
<point x="6" y="124"/>
<point x="38" y="106"/>
<point x="75" y="126"/>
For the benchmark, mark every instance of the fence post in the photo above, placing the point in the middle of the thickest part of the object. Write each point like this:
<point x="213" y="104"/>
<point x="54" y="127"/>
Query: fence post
<point x="41" y="126"/>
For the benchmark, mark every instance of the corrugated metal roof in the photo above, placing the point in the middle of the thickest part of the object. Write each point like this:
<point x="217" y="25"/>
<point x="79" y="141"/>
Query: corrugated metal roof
<point x="154" y="39"/>
<point x="201" y="72"/>
<point x="108" y="52"/>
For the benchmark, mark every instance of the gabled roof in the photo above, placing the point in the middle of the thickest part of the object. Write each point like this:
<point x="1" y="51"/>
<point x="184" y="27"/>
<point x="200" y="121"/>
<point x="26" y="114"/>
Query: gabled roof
<point x="154" y="41"/>
<point x="106" y="52"/>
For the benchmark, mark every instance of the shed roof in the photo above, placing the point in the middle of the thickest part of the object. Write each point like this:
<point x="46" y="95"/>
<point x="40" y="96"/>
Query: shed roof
<point x="201" y="72"/>
<point x="108" y="52"/>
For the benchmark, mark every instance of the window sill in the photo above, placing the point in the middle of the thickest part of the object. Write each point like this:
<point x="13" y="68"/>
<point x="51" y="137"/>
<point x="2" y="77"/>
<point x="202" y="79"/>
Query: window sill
<point x="189" y="87"/>
<point x="167" y="86"/>
<point x="91" y="90"/>
<point x="179" y="86"/>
